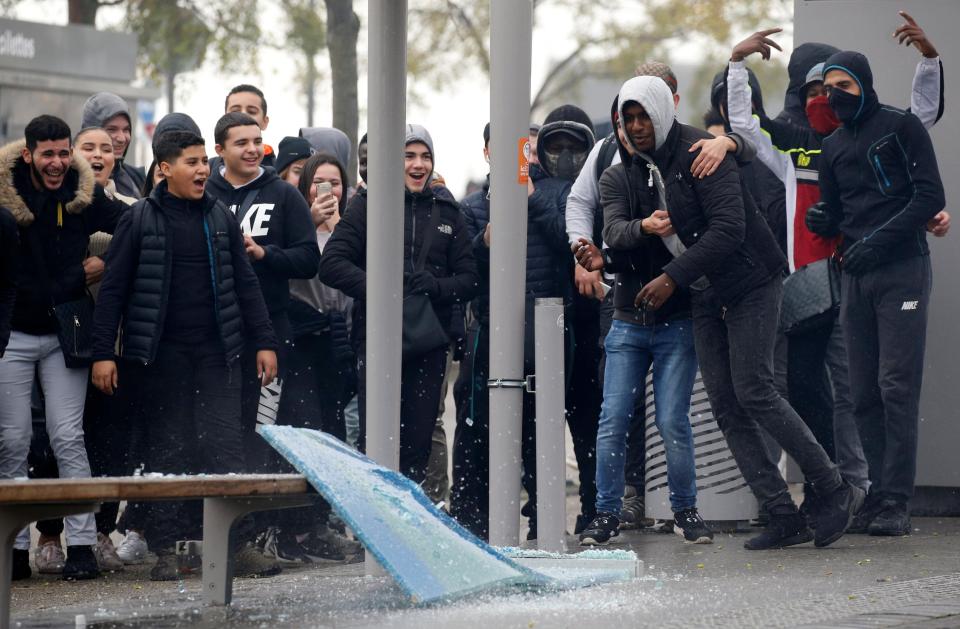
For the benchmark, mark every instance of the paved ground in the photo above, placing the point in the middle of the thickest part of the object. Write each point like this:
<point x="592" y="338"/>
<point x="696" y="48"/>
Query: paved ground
<point x="858" y="582"/>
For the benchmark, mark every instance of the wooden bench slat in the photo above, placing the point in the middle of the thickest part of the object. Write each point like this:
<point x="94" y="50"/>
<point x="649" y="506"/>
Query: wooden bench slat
<point x="150" y="488"/>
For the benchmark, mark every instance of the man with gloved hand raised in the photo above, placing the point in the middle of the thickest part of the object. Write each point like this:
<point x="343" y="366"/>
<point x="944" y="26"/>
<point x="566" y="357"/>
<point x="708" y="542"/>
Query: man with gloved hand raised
<point x="879" y="186"/>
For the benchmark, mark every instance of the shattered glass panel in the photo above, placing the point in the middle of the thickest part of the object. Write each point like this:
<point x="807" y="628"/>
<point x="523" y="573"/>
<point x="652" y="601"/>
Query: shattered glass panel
<point x="431" y="557"/>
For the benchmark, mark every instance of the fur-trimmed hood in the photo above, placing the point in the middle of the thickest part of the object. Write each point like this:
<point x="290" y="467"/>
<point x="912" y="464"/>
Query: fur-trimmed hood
<point x="10" y="197"/>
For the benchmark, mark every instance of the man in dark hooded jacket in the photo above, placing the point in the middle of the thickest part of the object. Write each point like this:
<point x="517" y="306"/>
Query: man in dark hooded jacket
<point x="731" y="262"/>
<point x="791" y="147"/>
<point x="880" y="185"/>
<point x="438" y="262"/>
<point x="111" y="113"/>
<point x="548" y="271"/>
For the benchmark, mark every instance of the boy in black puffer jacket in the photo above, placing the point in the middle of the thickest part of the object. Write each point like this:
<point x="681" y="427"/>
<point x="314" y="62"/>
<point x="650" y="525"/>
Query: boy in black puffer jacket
<point x="179" y="278"/>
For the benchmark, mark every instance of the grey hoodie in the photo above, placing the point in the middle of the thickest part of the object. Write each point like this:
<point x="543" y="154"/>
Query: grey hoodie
<point x="328" y="140"/>
<point x="98" y="109"/>
<point x="653" y="94"/>
<point x="655" y="97"/>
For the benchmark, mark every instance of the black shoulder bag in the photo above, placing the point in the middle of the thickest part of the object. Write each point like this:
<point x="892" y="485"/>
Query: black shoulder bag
<point x="422" y="330"/>
<point x="74" y="318"/>
<point x="811" y="296"/>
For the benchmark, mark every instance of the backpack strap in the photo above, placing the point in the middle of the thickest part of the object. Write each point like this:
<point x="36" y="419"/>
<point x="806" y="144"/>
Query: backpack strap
<point x="605" y="157"/>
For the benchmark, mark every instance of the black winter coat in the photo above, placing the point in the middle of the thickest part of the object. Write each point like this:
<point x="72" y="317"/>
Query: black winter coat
<point x="882" y="178"/>
<point x="136" y="285"/>
<point x="55" y="228"/>
<point x="279" y="221"/>
<point x="726" y="238"/>
<point x="9" y="245"/>
<point x="549" y="262"/>
<point x="343" y="264"/>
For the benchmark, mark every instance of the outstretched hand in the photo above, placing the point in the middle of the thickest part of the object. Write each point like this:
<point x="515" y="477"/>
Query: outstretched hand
<point x="910" y="33"/>
<point x="758" y="42"/>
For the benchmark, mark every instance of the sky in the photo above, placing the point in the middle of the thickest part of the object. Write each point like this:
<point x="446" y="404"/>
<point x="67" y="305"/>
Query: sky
<point x="455" y="117"/>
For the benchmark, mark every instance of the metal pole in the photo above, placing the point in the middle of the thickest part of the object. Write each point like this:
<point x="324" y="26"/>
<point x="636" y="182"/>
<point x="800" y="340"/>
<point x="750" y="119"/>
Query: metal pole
<point x="387" y="89"/>
<point x="551" y="456"/>
<point x="511" y="22"/>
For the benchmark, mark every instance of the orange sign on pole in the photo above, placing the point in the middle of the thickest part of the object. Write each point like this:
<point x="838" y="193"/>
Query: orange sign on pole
<point x="523" y="160"/>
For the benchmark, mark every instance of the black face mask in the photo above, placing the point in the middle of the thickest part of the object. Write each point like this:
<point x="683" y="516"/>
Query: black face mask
<point x="845" y="105"/>
<point x="566" y="164"/>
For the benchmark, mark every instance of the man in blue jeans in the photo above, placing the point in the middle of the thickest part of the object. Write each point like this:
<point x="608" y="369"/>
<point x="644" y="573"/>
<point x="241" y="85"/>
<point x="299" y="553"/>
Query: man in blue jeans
<point x="640" y="337"/>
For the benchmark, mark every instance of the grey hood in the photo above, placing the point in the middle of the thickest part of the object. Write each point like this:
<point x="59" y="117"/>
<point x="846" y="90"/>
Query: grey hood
<point x="418" y="133"/>
<point x="101" y="107"/>
<point x="655" y="97"/>
<point x="328" y="140"/>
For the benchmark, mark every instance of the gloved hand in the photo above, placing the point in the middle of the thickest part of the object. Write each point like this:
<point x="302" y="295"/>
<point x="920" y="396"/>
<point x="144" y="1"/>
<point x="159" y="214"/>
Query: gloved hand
<point x="423" y="283"/>
<point x="860" y="258"/>
<point x="821" y="221"/>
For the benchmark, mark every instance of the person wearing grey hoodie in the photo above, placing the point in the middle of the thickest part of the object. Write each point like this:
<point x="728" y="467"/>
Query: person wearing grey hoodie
<point x="728" y="259"/>
<point x="438" y="262"/>
<point x="110" y="112"/>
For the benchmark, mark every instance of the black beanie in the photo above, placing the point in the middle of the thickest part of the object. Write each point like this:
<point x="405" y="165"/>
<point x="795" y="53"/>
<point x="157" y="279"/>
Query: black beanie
<point x="570" y="113"/>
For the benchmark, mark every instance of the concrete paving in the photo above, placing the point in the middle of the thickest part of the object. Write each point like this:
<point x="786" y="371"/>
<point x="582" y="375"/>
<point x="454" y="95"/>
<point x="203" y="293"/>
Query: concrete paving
<point x="860" y="581"/>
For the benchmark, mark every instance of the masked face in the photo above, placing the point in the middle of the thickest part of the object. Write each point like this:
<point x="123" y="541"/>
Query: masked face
<point x="821" y="116"/>
<point x="846" y="99"/>
<point x="563" y="155"/>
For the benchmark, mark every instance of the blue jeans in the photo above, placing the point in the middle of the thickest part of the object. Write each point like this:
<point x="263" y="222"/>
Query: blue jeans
<point x="630" y="350"/>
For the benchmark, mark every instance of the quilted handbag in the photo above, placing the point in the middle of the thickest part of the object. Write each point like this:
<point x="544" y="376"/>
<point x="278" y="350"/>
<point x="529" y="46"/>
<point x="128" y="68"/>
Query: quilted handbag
<point x="811" y="296"/>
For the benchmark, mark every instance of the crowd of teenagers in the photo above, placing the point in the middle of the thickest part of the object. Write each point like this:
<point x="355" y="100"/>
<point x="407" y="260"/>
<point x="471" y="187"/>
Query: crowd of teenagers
<point x="151" y="318"/>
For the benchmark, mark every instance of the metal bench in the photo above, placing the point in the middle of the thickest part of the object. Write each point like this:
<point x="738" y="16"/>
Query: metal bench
<point x="225" y="499"/>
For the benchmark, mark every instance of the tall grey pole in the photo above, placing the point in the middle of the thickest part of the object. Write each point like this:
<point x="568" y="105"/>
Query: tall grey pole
<point x="551" y="419"/>
<point x="511" y="23"/>
<point x="387" y="89"/>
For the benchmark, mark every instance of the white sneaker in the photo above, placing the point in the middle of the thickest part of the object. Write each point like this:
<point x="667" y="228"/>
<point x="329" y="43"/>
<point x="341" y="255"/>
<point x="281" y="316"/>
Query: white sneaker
<point x="133" y="549"/>
<point x="106" y="554"/>
<point x="49" y="558"/>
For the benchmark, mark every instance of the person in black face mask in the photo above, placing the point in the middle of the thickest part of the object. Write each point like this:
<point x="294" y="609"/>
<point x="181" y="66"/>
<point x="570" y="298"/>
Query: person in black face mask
<point x="548" y="274"/>
<point x="565" y="141"/>
<point x="880" y="185"/>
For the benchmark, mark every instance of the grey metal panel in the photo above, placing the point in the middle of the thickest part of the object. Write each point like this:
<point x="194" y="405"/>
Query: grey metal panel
<point x="71" y="50"/>
<point x="867" y="26"/>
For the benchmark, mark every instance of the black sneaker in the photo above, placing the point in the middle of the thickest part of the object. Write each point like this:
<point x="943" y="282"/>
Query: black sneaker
<point x="599" y="532"/>
<point x="690" y="526"/>
<point x="810" y="507"/>
<point x="81" y="564"/>
<point x="861" y="521"/>
<point x="836" y="513"/>
<point x="893" y="520"/>
<point x="284" y="547"/>
<point x="633" y="513"/>
<point x="582" y="521"/>
<point x="21" y="565"/>
<point x="166" y="568"/>
<point x="782" y="530"/>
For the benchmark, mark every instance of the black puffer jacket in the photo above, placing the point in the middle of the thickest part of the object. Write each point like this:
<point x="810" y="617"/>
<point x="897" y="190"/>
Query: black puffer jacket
<point x="716" y="219"/>
<point x="343" y="264"/>
<point x="549" y="263"/>
<point x="55" y="227"/>
<point x="9" y="244"/>
<point x="137" y="286"/>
